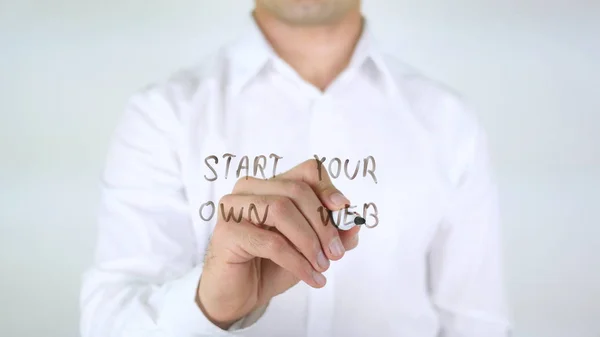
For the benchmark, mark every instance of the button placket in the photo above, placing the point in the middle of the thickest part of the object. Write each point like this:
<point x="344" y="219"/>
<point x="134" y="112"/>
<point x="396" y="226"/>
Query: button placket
<point x="321" y="301"/>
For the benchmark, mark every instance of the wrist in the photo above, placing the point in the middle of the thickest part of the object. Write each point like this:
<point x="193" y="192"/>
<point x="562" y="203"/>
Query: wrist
<point x="224" y="324"/>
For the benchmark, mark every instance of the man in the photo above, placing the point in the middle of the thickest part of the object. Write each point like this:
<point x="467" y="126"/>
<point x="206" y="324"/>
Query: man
<point x="213" y="218"/>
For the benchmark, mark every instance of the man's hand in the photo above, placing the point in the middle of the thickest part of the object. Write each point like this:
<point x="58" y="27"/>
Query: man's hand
<point x="248" y="263"/>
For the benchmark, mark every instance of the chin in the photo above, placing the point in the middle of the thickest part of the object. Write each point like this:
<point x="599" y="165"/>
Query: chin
<point x="312" y="12"/>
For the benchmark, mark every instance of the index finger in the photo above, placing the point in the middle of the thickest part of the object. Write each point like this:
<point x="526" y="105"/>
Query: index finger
<point x="316" y="176"/>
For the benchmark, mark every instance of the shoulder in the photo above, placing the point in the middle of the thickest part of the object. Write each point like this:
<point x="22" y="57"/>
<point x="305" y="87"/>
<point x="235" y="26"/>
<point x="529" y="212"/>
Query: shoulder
<point x="183" y="84"/>
<point x="433" y="103"/>
<point x="444" y="114"/>
<point x="173" y="98"/>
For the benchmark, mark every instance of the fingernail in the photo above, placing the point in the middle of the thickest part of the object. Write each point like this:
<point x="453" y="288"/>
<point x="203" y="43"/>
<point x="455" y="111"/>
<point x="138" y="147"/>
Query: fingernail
<point x="339" y="199"/>
<point x="322" y="261"/>
<point x="319" y="278"/>
<point x="336" y="247"/>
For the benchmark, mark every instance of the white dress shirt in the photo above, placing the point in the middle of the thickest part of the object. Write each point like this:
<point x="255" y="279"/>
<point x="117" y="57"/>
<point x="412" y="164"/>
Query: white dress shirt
<point x="430" y="267"/>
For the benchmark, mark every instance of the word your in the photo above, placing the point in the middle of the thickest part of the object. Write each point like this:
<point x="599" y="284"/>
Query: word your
<point x="335" y="167"/>
<point x="207" y="212"/>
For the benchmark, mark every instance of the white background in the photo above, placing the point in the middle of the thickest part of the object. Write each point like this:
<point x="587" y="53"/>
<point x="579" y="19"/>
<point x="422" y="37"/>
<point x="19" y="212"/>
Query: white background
<point x="531" y="67"/>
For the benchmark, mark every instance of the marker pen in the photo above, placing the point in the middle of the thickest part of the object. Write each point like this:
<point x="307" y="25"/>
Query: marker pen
<point x="346" y="219"/>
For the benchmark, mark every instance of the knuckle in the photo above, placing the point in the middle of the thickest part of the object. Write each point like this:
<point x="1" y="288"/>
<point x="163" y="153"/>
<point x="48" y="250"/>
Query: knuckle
<point x="309" y="245"/>
<point x="311" y="169"/>
<point x="239" y="185"/>
<point x="253" y="241"/>
<point x="259" y="242"/>
<point x="328" y="234"/>
<point x="227" y="199"/>
<point x="275" y="243"/>
<point x="242" y="182"/>
<point x="280" y="205"/>
<point x="307" y="269"/>
<point x="351" y="245"/>
<point x="223" y="228"/>
<point x="260" y="200"/>
<point x="310" y="165"/>
<point x="316" y="248"/>
<point x="222" y="232"/>
<point x="332" y="233"/>
<point x="299" y="188"/>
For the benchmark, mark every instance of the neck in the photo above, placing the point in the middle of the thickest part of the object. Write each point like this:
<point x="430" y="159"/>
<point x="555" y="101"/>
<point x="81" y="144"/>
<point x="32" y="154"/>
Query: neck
<point x="317" y="53"/>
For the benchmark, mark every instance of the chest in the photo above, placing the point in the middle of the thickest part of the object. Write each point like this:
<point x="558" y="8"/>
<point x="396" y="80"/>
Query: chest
<point x="374" y="152"/>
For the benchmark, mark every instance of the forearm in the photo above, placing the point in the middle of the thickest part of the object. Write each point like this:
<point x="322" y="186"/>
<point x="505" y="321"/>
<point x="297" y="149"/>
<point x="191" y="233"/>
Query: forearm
<point x="116" y="305"/>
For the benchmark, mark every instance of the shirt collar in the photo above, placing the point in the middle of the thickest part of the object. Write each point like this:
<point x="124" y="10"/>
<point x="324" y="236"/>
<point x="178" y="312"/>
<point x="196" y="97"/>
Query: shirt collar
<point x="251" y="52"/>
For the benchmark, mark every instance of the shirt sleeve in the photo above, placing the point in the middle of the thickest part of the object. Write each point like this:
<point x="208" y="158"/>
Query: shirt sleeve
<point x="148" y="257"/>
<point x="465" y="258"/>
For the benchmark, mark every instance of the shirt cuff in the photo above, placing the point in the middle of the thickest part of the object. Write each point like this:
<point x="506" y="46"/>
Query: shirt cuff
<point x="248" y="321"/>
<point x="181" y="316"/>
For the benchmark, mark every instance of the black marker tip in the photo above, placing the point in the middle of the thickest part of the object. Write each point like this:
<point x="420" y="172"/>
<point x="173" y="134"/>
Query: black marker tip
<point x="359" y="221"/>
